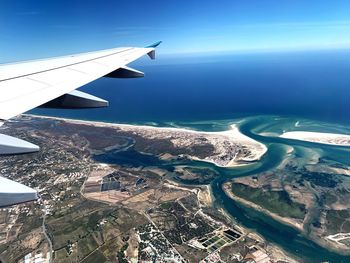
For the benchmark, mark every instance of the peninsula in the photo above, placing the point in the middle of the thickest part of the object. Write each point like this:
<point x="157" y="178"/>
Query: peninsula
<point x="224" y="148"/>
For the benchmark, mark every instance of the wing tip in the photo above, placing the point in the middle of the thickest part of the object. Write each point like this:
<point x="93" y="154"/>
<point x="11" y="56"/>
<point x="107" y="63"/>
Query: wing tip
<point x="154" y="45"/>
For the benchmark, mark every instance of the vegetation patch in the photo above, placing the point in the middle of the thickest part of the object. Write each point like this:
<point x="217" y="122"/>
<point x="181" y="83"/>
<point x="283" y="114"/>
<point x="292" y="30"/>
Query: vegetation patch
<point x="336" y="221"/>
<point x="321" y="179"/>
<point x="277" y="202"/>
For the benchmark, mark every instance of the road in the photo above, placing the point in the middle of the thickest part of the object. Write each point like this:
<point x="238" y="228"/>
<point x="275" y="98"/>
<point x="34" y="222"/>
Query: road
<point x="45" y="230"/>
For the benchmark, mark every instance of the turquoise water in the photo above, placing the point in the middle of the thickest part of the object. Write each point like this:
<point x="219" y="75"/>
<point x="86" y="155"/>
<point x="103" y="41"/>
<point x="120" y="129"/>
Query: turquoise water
<point x="286" y="237"/>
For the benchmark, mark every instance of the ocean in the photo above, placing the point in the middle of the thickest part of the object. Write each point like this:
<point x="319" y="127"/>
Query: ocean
<point x="189" y="88"/>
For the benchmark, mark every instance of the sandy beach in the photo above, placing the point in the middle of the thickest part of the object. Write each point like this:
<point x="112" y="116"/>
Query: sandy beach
<point x="319" y="137"/>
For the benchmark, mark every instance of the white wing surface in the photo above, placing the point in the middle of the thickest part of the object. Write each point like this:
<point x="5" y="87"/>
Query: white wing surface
<point x="24" y="86"/>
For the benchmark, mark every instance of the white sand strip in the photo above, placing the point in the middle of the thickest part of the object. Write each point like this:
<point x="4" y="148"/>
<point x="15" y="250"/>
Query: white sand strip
<point x="319" y="137"/>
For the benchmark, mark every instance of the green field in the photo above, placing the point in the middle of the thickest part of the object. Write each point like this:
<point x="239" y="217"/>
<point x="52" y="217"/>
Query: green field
<point x="336" y="221"/>
<point x="277" y="202"/>
<point x="95" y="257"/>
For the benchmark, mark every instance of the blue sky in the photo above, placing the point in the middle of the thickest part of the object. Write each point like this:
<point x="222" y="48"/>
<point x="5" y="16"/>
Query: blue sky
<point x="42" y="28"/>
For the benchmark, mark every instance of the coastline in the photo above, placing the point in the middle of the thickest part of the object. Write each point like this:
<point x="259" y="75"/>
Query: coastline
<point x="233" y="135"/>
<point x="319" y="137"/>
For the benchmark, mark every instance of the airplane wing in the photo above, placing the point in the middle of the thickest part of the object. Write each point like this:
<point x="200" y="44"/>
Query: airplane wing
<point x="53" y="83"/>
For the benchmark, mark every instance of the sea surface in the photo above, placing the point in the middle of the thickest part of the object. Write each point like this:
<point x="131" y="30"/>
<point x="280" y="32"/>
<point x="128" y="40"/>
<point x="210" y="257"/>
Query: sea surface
<point x="314" y="85"/>
<point x="269" y="93"/>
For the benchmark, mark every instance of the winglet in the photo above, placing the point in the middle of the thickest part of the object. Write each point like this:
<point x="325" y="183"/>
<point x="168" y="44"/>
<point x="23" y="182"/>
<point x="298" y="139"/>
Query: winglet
<point x="154" y="45"/>
<point x="152" y="53"/>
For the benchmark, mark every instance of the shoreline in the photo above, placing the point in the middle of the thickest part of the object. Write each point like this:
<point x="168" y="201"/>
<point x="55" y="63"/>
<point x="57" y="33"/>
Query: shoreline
<point x="233" y="135"/>
<point x="319" y="137"/>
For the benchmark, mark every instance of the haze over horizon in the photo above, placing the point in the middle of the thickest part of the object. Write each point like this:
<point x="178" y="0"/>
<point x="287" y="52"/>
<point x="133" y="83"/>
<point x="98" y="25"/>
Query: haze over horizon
<point x="38" y="29"/>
